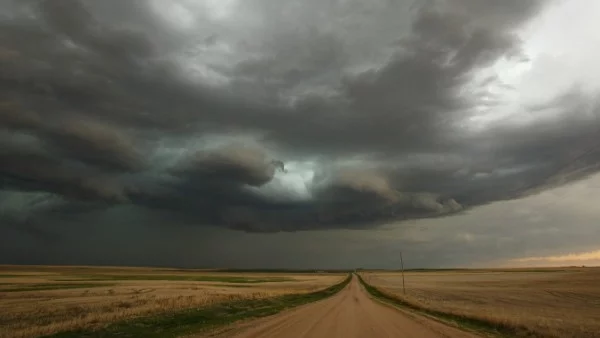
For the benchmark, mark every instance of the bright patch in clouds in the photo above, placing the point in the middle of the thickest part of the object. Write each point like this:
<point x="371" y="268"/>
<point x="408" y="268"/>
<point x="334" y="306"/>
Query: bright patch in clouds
<point x="175" y="14"/>
<point x="220" y="9"/>
<point x="559" y="53"/>
<point x="293" y="184"/>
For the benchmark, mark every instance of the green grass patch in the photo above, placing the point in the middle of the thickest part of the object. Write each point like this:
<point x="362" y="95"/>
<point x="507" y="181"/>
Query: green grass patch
<point x="286" y="271"/>
<point x="200" y="319"/>
<point x="482" y="325"/>
<point x="520" y="270"/>
<point x="534" y="271"/>
<point x="49" y="286"/>
<point x="15" y="276"/>
<point x="191" y="278"/>
<point x="437" y="270"/>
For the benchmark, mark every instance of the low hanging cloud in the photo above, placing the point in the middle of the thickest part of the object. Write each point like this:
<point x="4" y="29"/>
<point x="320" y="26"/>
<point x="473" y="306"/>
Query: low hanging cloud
<point x="274" y="117"/>
<point x="233" y="164"/>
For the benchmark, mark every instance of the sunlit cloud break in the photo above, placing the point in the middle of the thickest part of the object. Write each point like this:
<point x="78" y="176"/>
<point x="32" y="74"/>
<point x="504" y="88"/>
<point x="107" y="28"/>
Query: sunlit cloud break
<point x="584" y="257"/>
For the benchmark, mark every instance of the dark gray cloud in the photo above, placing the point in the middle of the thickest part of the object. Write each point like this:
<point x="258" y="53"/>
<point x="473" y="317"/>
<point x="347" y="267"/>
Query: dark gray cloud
<point x="553" y="223"/>
<point x="282" y="116"/>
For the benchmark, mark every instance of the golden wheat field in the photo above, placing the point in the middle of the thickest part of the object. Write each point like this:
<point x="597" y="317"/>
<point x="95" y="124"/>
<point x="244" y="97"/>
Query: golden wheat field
<point x="37" y="301"/>
<point x="551" y="302"/>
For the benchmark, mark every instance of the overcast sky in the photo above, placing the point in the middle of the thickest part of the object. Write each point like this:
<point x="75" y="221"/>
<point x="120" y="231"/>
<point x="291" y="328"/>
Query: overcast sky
<point x="299" y="134"/>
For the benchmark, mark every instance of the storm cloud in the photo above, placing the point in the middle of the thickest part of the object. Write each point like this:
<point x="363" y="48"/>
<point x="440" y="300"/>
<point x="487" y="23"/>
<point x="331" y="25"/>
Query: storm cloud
<point x="271" y="116"/>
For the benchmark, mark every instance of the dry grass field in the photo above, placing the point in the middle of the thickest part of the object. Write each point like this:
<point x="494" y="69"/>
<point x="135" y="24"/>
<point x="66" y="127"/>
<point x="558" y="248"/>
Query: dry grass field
<point x="37" y="301"/>
<point x="548" y="302"/>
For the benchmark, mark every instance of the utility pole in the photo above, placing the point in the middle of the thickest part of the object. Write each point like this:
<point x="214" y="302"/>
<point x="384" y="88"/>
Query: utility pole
<point x="402" y="265"/>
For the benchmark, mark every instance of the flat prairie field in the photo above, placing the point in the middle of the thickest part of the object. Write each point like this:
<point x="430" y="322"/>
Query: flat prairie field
<point x="43" y="300"/>
<point x="547" y="302"/>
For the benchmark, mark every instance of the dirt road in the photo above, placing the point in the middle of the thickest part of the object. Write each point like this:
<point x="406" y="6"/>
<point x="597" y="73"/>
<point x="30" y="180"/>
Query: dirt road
<point x="350" y="313"/>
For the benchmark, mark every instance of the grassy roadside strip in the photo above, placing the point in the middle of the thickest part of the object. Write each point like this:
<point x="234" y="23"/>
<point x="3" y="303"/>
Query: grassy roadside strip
<point x="197" y="320"/>
<point x="50" y="286"/>
<point x="478" y="324"/>
<point x="219" y="279"/>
